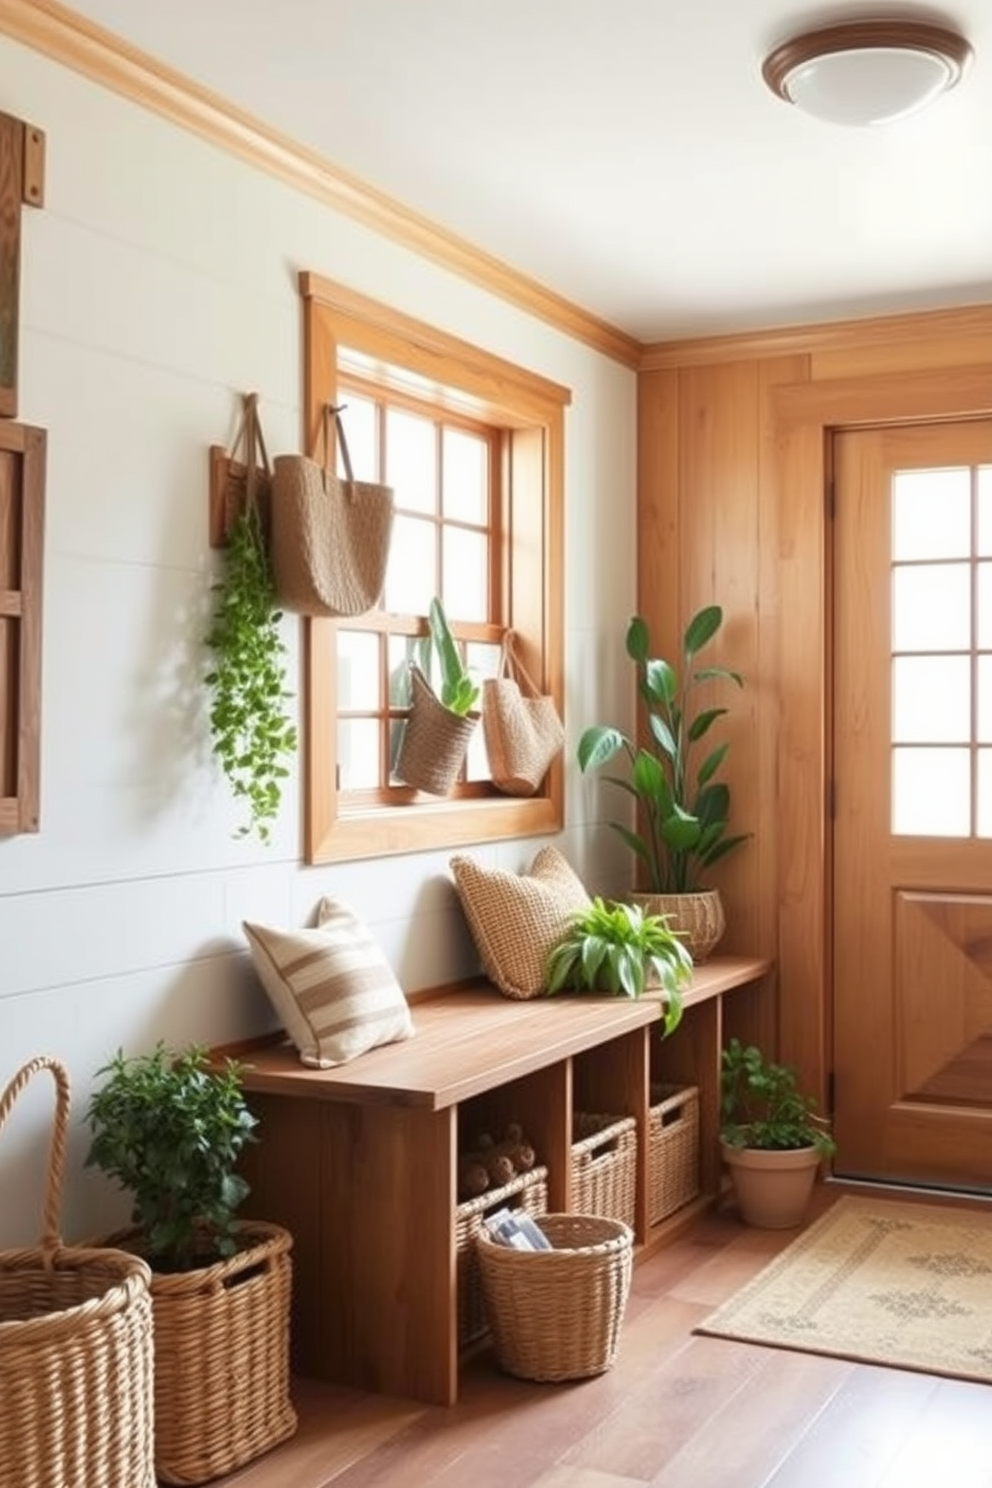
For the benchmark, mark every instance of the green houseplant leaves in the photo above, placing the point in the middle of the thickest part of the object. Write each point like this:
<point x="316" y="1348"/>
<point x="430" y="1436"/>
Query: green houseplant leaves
<point x="459" y="693"/>
<point x="616" y="948"/>
<point x="684" y="809"/>
<point x="169" y="1127"/>
<point x="252" y="732"/>
<point x="762" y="1107"/>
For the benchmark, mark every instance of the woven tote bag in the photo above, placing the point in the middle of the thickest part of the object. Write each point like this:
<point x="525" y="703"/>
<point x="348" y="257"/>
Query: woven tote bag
<point x="522" y="730"/>
<point x="330" y="537"/>
<point x="434" y="741"/>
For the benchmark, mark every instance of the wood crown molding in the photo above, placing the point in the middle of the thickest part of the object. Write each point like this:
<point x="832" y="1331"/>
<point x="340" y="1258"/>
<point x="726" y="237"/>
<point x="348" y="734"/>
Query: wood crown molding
<point x="835" y="335"/>
<point x="65" y="37"/>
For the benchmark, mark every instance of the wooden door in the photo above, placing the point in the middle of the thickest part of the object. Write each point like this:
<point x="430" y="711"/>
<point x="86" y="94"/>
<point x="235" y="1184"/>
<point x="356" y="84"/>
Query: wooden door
<point x="912" y="953"/>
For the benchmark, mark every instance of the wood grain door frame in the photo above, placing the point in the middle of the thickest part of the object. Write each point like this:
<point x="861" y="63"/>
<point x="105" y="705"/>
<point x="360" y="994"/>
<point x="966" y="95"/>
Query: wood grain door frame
<point x="806" y="417"/>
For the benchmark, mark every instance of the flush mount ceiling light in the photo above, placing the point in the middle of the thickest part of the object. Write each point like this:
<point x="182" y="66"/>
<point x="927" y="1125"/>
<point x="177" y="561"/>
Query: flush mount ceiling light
<point x="867" y="72"/>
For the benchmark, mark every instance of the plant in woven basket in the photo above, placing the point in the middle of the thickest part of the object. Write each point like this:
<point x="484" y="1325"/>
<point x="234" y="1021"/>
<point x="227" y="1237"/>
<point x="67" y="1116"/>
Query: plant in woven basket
<point x="618" y="948"/>
<point x="170" y="1127"/>
<point x="762" y="1107"/>
<point x="459" y="692"/>
<point x="684" y="809"/>
<point x="252" y="731"/>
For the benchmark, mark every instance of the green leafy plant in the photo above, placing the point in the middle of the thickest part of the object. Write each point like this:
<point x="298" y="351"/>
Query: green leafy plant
<point x="251" y="728"/>
<point x="459" y="692"/>
<point x="684" y="809"/>
<point x="612" y="947"/>
<point x="761" y="1105"/>
<point x="169" y="1127"/>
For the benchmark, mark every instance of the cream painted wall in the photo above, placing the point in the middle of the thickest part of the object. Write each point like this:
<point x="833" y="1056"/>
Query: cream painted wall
<point x="158" y="283"/>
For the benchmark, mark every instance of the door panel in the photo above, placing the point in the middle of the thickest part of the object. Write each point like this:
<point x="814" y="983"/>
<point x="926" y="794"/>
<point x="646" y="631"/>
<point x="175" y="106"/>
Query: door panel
<point x="912" y="950"/>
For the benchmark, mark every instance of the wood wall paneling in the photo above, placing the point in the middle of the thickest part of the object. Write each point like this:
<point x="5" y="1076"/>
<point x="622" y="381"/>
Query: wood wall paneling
<point x="733" y="444"/>
<point x="719" y="555"/>
<point x="658" y="431"/>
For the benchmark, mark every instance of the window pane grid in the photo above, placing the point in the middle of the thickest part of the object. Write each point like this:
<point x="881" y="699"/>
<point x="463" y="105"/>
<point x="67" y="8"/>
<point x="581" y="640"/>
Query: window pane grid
<point x="941" y="654"/>
<point x="442" y="544"/>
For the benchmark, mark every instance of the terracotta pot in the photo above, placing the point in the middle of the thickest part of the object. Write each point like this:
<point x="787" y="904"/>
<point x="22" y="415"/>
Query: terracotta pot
<point x="772" y="1188"/>
<point x="698" y="918"/>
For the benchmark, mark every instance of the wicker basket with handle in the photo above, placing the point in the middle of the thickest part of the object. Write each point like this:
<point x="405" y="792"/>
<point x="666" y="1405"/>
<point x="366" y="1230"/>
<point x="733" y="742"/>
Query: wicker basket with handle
<point x="222" y="1385"/>
<point x="76" y="1353"/>
<point x="434" y="742"/>
<point x="604" y="1166"/>
<point x="673" y="1149"/>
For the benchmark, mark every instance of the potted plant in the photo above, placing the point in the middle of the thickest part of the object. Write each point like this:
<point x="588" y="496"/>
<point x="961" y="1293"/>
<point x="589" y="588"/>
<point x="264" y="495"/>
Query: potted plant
<point x="440" y="725"/>
<point x="252" y="732"/>
<point x="683" y="809"/>
<point x="772" y="1138"/>
<point x="618" y="948"/>
<point x="169" y="1128"/>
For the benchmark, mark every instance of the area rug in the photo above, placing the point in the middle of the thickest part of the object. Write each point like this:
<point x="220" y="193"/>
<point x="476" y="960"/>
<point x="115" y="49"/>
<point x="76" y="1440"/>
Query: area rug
<point x="879" y="1281"/>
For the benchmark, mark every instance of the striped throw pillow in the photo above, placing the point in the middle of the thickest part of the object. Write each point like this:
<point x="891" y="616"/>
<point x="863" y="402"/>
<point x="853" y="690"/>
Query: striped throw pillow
<point x="332" y="987"/>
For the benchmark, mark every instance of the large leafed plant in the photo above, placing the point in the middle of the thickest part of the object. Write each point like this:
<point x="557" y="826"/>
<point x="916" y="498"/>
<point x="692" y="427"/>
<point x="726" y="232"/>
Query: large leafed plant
<point x="683" y="807"/>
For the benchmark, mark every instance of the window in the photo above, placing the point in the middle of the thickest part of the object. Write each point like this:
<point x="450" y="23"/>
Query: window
<point x="472" y="447"/>
<point x="942" y="652"/>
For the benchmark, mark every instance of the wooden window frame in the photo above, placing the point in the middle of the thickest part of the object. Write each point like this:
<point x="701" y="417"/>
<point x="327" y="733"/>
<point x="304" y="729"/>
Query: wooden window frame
<point x="340" y="322"/>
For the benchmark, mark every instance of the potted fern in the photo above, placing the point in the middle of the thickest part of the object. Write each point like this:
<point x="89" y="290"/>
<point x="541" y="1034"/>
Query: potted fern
<point x="771" y="1135"/>
<point x="620" y="949"/>
<point x="169" y="1128"/>
<point x="683" y="807"/>
<point x="441" y="722"/>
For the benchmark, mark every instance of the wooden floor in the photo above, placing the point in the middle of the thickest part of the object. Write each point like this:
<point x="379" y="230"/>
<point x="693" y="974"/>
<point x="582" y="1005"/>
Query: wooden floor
<point x="675" y="1411"/>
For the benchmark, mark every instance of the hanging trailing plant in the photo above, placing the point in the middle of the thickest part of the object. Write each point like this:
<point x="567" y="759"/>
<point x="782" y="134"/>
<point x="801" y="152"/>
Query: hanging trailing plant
<point x="253" y="732"/>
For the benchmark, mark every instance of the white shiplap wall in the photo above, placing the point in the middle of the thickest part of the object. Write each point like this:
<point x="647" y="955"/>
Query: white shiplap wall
<point x="158" y="283"/>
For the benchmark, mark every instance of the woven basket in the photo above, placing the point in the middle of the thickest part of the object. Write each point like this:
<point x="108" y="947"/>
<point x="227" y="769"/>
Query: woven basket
<point x="698" y="918"/>
<point x="523" y="732"/>
<point x="222" y="1357"/>
<point x="529" y="1192"/>
<point x="673" y="1149"/>
<point x="434" y="741"/>
<point x="604" y="1166"/>
<point x="556" y="1314"/>
<point x="76" y="1363"/>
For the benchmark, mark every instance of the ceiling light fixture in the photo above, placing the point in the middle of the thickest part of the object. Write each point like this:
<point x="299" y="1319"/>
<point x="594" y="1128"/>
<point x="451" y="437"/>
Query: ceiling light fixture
<point x="867" y="72"/>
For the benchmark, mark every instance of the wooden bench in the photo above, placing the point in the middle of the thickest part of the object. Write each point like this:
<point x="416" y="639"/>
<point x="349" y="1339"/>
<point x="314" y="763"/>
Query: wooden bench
<point x="359" y="1162"/>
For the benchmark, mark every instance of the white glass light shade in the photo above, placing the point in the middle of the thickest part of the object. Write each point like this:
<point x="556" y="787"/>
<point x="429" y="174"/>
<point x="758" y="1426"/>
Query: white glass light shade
<point x="866" y="72"/>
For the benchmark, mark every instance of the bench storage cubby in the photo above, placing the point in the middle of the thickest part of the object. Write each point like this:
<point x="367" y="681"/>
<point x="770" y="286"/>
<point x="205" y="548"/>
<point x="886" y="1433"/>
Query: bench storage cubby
<point x="527" y="1191"/>
<point x="360" y="1162"/>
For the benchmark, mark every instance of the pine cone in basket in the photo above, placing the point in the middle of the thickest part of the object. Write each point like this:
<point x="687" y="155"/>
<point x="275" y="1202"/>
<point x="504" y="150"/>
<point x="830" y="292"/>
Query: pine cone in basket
<point x="588" y="1123"/>
<point x="473" y="1176"/>
<point x="497" y="1161"/>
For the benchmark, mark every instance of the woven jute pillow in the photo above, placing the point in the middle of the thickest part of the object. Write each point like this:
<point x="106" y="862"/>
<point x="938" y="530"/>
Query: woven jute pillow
<point x="516" y="918"/>
<point x="332" y="987"/>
